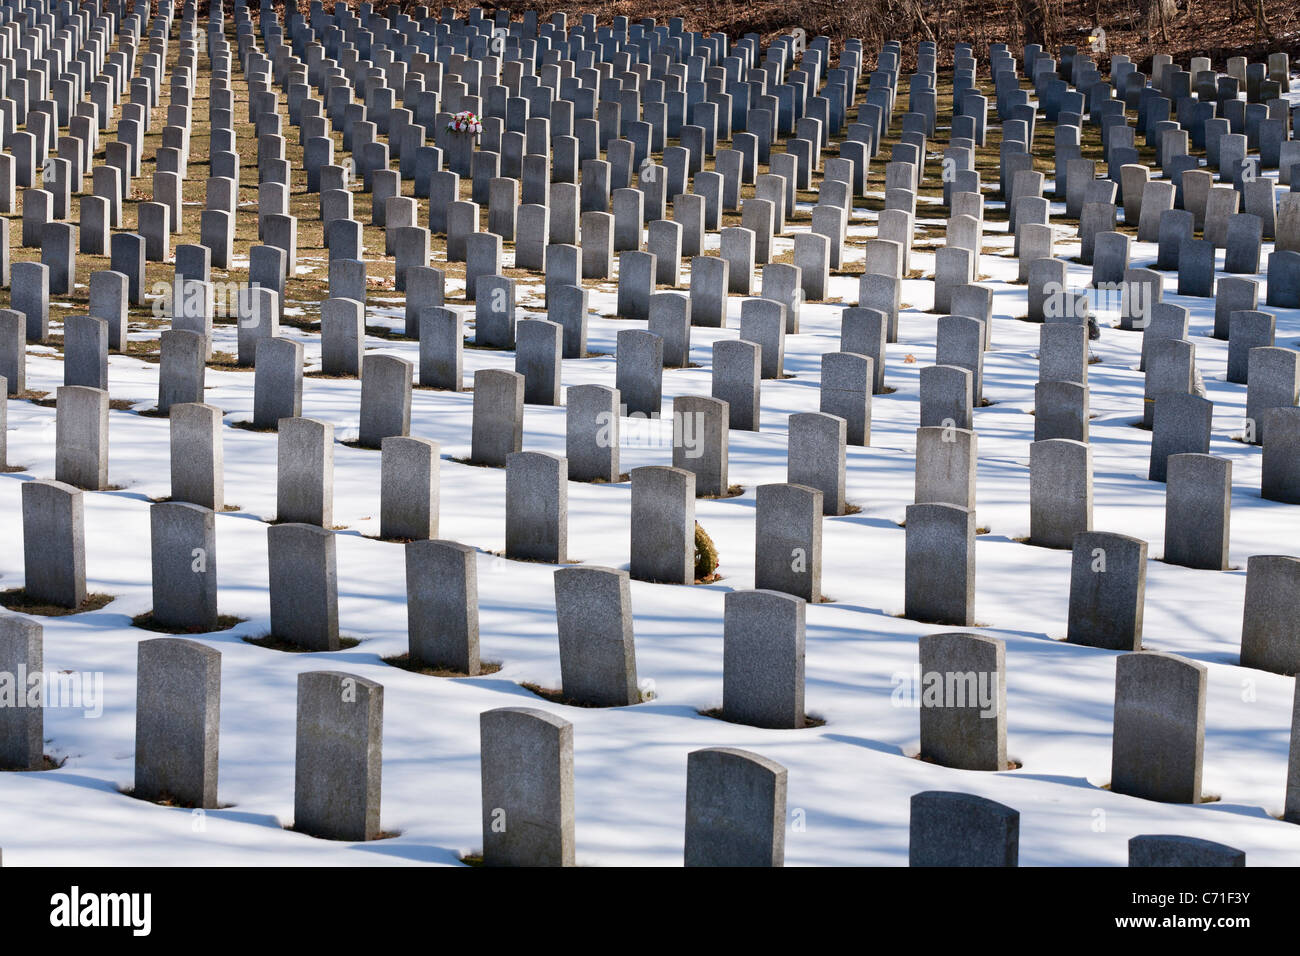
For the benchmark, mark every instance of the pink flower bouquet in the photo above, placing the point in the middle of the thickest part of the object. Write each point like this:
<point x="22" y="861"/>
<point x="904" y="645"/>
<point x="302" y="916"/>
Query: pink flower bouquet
<point x="465" y="122"/>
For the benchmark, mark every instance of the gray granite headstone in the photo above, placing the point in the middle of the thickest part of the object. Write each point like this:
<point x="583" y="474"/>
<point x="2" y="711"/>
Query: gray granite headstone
<point x="527" y="787"/>
<point x="1270" y="630"/>
<point x="408" y="488"/>
<point x="1150" y="849"/>
<point x="177" y="721"/>
<point x="735" y="809"/>
<point x="1159" y="730"/>
<point x="963" y="701"/>
<point x="593" y="613"/>
<point x="815" y="456"/>
<point x="1198" y="502"/>
<point x="54" y="543"/>
<point x="81" y="437"/>
<point x="442" y="605"/>
<point x="763" y="659"/>
<point x="940" y="564"/>
<point x="305" y="472"/>
<point x="700" y="442"/>
<point x="961" y="829"/>
<point x="663" y="525"/>
<point x="22" y="725"/>
<point x="788" y="540"/>
<point x="1060" y="491"/>
<point x="385" y="398"/>
<point x="737" y="380"/>
<point x="338" y="758"/>
<point x="183" y="549"/>
<point x="498" y="417"/>
<point x="537" y="507"/>
<point x="303" y="585"/>
<point x="1280" y="474"/>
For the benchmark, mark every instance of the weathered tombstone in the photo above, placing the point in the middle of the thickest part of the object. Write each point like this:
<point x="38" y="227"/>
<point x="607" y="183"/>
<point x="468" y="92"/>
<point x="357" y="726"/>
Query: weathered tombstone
<point x="1198" y="499"/>
<point x="846" y="388"/>
<point x="441" y="334"/>
<point x="763" y="322"/>
<point x="960" y="343"/>
<point x="1180" y="425"/>
<point x="592" y="433"/>
<point x="816" y="456"/>
<point x="177" y="721"/>
<point x="639" y="370"/>
<point x="22" y="728"/>
<point x="498" y="417"/>
<point x="277" y="381"/>
<point x="1280" y="473"/>
<point x="54" y="543"/>
<point x="303" y="585"/>
<point x="196" y="455"/>
<point x="537" y="507"/>
<point x="700" y="442"/>
<point x="945" y="396"/>
<point x="1159" y="729"/>
<point x="1107" y="591"/>
<point x="963" y="701"/>
<point x="1150" y="849"/>
<point x="408" y="488"/>
<point x="385" y="398"/>
<point x="735" y="809"/>
<point x="527" y="787"/>
<point x="305" y="472"/>
<point x="669" y="317"/>
<point x="13" y="351"/>
<point x="788" y="543"/>
<point x="940" y="564"/>
<point x="183" y="547"/>
<point x="338" y="758"/>
<point x="29" y="294"/>
<point x="663" y="525"/>
<point x="737" y="381"/>
<point x="538" y="351"/>
<point x="442" y="605"/>
<point x="1247" y="330"/>
<point x="961" y="829"/>
<point x="945" y="466"/>
<point x="181" y="367"/>
<point x="81" y="437"/>
<point x="1270" y="630"/>
<point x="593" y="613"/>
<point x="763" y="659"/>
<point x="1060" y="491"/>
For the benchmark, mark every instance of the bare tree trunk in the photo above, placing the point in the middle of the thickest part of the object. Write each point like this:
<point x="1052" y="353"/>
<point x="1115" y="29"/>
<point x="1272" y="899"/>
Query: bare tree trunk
<point x="1159" y="13"/>
<point x="1032" y="25"/>
<point x="1261" y="21"/>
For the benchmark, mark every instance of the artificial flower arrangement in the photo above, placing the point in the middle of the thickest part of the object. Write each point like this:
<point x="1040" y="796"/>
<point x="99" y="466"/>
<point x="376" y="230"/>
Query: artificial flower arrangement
<point x="465" y="122"/>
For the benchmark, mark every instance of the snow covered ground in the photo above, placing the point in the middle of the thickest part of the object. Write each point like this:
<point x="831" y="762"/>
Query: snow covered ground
<point x="849" y="780"/>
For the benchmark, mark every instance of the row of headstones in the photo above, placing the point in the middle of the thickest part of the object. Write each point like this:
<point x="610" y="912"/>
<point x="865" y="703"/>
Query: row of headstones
<point x="159" y="219"/>
<point x="1097" y="208"/>
<point x="62" y="176"/>
<point x="1250" y="332"/>
<point x="192" y="304"/>
<point x="735" y="799"/>
<point x="1060" y="472"/>
<point x="456" y="243"/>
<point x="156" y="240"/>
<point x="1174" y="406"/>
<point x="1105" y="610"/>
